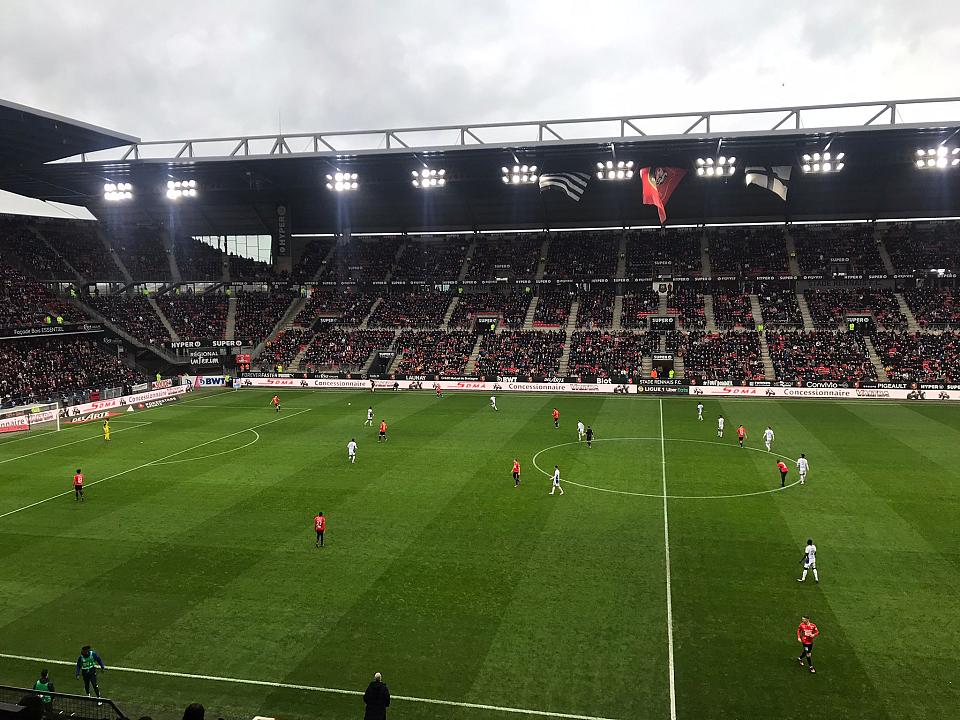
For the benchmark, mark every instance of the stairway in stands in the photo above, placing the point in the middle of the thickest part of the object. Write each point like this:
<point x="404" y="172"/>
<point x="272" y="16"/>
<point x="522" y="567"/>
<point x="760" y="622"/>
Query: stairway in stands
<point x="230" y="331"/>
<point x="618" y="313"/>
<point x="531" y="311"/>
<point x="709" y="318"/>
<point x="875" y="359"/>
<point x="365" y="323"/>
<point x="474" y="354"/>
<point x="285" y="322"/>
<point x="570" y="329"/>
<point x="791" y="253"/>
<point x="912" y="324"/>
<point x="768" y="372"/>
<point x="805" y="312"/>
<point x="445" y="323"/>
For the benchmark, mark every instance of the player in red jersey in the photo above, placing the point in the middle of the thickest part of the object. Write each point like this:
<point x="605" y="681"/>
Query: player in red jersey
<point x="439" y="390"/>
<point x="383" y="431"/>
<point x="516" y="472"/>
<point x="806" y="632"/>
<point x="320" y="525"/>
<point x="276" y="402"/>
<point x="782" y="467"/>
<point x="741" y="434"/>
<point x="78" y="486"/>
<point x="556" y="418"/>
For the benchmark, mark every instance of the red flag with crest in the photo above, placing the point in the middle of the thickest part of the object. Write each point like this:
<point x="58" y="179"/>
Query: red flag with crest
<point x="658" y="185"/>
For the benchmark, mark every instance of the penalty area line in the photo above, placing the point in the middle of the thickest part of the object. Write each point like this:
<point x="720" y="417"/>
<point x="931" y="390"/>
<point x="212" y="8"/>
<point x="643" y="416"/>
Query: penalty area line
<point x="98" y="436"/>
<point x="319" y="689"/>
<point x="158" y="461"/>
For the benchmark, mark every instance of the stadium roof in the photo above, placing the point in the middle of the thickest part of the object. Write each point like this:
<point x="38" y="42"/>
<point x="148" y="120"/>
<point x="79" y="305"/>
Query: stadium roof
<point x="242" y="180"/>
<point x="32" y="137"/>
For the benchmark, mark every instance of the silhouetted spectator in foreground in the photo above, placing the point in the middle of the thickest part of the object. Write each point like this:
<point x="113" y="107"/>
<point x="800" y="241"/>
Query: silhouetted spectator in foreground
<point x="376" y="698"/>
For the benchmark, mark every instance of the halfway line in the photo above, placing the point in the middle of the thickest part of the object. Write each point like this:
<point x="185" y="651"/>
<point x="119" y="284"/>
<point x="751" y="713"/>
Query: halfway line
<point x="666" y="550"/>
<point x="313" y="688"/>
<point x="152" y="462"/>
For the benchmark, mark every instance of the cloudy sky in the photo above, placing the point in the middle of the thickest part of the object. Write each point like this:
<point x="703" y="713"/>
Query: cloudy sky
<point x="205" y="68"/>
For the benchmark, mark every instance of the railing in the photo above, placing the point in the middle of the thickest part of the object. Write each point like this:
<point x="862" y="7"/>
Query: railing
<point x="75" y="707"/>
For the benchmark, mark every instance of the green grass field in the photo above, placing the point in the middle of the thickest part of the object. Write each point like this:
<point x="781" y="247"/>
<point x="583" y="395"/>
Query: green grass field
<point x="460" y="588"/>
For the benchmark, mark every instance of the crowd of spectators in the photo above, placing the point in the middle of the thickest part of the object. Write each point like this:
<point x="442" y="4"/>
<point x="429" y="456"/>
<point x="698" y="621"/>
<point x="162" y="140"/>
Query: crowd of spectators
<point x="345" y="350"/>
<point x="688" y="307"/>
<point x="58" y="369"/>
<point x="934" y="308"/>
<point x="917" y="357"/>
<point x="197" y="260"/>
<point x="637" y="305"/>
<point x="582" y="255"/>
<point x="27" y="302"/>
<point x="780" y="307"/>
<point x="249" y="270"/>
<point x="423" y="309"/>
<point x="285" y="346"/>
<point x="143" y="254"/>
<point x="434" y="352"/>
<point x="258" y="314"/>
<point x="432" y="260"/>
<point x="718" y="356"/>
<point x="196" y="316"/>
<point x="362" y="259"/>
<point x="923" y="247"/>
<point x="80" y="245"/>
<point x="510" y="306"/>
<point x="677" y="249"/>
<point x="595" y="308"/>
<point x="848" y="246"/>
<point x="829" y="307"/>
<point x="345" y="307"/>
<point x="600" y="353"/>
<point x="819" y="355"/>
<point x="510" y="256"/>
<point x="748" y="251"/>
<point x="553" y="308"/>
<point x="314" y="253"/>
<point x="18" y="241"/>
<point x="521" y="352"/>
<point x="133" y="314"/>
<point x="732" y="309"/>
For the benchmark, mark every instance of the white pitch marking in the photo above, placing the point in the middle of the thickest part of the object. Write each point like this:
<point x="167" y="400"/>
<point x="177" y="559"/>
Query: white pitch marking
<point x="672" y="497"/>
<point x="313" y="688"/>
<point x="666" y="551"/>
<point x="213" y="455"/>
<point x="73" y="442"/>
<point x="152" y="462"/>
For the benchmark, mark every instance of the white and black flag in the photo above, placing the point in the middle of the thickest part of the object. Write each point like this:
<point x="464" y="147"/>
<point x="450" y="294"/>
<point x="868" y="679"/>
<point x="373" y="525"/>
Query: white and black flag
<point x="572" y="183"/>
<point x="776" y="179"/>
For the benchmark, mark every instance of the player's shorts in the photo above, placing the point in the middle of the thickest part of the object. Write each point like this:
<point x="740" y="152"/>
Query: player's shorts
<point x="516" y="476"/>
<point x="556" y="483"/>
<point x="382" y="434"/>
<point x="807" y="565"/>
<point x="351" y="454"/>
<point x="807" y="648"/>
<point x="803" y="476"/>
<point x="319" y="534"/>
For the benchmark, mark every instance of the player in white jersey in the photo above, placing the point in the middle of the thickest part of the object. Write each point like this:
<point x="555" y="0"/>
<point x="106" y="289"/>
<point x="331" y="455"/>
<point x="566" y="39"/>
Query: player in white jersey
<point x="352" y="450"/>
<point x="720" y="422"/>
<point x="809" y="561"/>
<point x="700" y="411"/>
<point x="768" y="437"/>
<point x="580" y="430"/>
<point x="369" y="420"/>
<point x="802" y="467"/>
<point x="493" y="401"/>
<point x="556" y="480"/>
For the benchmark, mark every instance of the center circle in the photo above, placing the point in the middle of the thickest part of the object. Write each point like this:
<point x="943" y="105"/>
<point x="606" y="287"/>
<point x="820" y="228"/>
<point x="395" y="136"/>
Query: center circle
<point x="650" y="468"/>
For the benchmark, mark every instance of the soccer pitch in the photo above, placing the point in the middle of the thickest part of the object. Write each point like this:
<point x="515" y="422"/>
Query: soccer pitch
<point x="191" y="567"/>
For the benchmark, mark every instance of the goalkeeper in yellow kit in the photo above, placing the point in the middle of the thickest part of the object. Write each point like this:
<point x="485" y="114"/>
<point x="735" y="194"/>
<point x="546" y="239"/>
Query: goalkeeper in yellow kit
<point x="106" y="430"/>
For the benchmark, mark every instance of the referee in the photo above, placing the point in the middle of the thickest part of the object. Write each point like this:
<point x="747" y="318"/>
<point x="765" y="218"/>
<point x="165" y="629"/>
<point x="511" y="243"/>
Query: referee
<point x="87" y="666"/>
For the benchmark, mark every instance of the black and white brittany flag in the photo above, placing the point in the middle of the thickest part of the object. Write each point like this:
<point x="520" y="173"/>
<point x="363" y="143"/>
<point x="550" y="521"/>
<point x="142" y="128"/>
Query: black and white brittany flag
<point x="572" y="183"/>
<point x="775" y="179"/>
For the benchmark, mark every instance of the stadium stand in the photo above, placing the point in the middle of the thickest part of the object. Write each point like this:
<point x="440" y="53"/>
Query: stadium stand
<point x="196" y="316"/>
<point x="434" y="352"/>
<point x="830" y="306"/>
<point x="819" y="356"/>
<point x="595" y="309"/>
<point x="677" y="249"/>
<point x="512" y="256"/>
<point x="258" y="314"/>
<point x="848" y="246"/>
<point x="582" y="255"/>
<point x="410" y="310"/>
<point x="432" y="260"/>
<point x="133" y="314"/>
<point x="688" y="306"/>
<point x="748" y="251"/>
<point x="143" y="254"/>
<point x="922" y="247"/>
<point x="510" y="306"/>
<point x="61" y="369"/>
<point x="521" y="352"/>
<point x="286" y="346"/>
<point x="197" y="260"/>
<point x="343" y="307"/>
<point x="248" y="269"/>
<point x="312" y="258"/>
<point x="81" y="246"/>
<point x="916" y="357"/>
<point x="553" y="308"/>
<point x="637" y="305"/>
<point x="603" y="353"/>
<point x="27" y="302"/>
<point x="718" y="356"/>
<point x="345" y="350"/>
<point x="363" y="260"/>
<point x="780" y="307"/>
<point x="934" y="309"/>
<point x="732" y="310"/>
<point x="19" y="244"/>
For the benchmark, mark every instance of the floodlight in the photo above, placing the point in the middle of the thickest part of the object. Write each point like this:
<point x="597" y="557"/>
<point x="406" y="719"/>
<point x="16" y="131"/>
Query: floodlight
<point x="519" y="175"/>
<point x="429" y="178"/>
<point x="342" y="181"/>
<point x="177" y="189"/>
<point x="718" y="167"/>
<point x="941" y="157"/>
<point x="615" y="170"/>
<point x="822" y="162"/>
<point x="117" y="191"/>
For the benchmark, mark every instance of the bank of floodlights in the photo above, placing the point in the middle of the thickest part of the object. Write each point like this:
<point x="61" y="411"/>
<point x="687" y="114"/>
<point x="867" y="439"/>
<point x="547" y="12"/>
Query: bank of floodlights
<point x="177" y="189"/>
<point x="115" y="192"/>
<point x="428" y="178"/>
<point x="722" y="166"/>
<point x="939" y="157"/>
<point x="822" y="163"/>
<point x="342" y="181"/>
<point x="518" y="175"/>
<point x="619" y="170"/>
